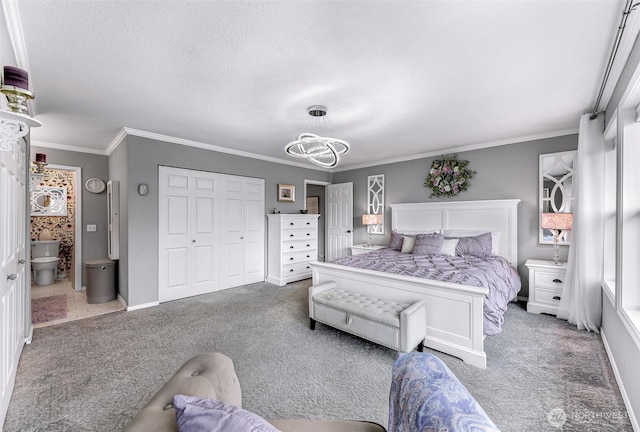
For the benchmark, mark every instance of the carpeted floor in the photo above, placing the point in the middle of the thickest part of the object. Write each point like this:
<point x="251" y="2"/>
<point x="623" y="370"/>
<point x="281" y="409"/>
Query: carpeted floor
<point x="48" y="308"/>
<point x="95" y="374"/>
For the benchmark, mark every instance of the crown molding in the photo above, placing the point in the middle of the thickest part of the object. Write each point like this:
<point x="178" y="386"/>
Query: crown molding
<point x="117" y="140"/>
<point x="478" y="146"/>
<point x="66" y="147"/>
<point x="204" y="146"/>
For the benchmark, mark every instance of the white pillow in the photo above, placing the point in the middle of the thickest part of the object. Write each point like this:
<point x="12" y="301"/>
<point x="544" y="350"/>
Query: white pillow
<point x="407" y="244"/>
<point x="449" y="247"/>
<point x="495" y="237"/>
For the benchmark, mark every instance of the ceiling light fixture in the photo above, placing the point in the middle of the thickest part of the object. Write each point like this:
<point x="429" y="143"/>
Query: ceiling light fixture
<point x="320" y="150"/>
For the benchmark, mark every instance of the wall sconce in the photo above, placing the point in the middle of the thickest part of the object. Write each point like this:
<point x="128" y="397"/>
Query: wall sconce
<point x="370" y="219"/>
<point x="15" y="123"/>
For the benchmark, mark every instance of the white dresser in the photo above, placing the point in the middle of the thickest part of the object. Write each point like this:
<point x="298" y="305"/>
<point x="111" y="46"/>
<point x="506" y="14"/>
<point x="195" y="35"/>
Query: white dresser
<point x="546" y="281"/>
<point x="293" y="243"/>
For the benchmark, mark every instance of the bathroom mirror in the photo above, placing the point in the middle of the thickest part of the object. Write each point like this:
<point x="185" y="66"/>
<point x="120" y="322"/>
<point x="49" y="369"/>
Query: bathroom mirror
<point x="48" y="201"/>
<point x="556" y="190"/>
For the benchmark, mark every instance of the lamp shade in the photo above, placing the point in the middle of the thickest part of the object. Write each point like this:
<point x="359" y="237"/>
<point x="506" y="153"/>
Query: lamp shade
<point x="557" y="221"/>
<point x="371" y="219"/>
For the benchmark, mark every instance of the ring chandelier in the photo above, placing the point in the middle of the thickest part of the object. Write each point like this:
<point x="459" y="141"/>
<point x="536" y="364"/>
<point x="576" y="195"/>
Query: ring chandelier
<point x="320" y="150"/>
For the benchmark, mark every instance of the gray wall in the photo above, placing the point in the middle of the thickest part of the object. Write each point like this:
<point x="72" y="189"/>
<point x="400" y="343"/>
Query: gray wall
<point x="118" y="167"/>
<point x="94" y="206"/>
<point x="143" y="156"/>
<point x="509" y="171"/>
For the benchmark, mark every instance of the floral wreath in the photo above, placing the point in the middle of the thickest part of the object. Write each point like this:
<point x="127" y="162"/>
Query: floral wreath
<point x="448" y="176"/>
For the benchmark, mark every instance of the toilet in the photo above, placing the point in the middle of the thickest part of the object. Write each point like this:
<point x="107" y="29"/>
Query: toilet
<point x="44" y="261"/>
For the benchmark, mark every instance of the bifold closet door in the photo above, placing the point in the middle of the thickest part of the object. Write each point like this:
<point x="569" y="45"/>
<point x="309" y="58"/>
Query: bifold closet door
<point x="242" y="253"/>
<point x="188" y="238"/>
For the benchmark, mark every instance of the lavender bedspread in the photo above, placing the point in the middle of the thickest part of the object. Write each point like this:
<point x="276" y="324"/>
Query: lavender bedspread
<point x="492" y="272"/>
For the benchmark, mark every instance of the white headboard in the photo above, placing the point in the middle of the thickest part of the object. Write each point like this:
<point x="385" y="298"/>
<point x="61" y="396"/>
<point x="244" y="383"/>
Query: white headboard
<point x="489" y="215"/>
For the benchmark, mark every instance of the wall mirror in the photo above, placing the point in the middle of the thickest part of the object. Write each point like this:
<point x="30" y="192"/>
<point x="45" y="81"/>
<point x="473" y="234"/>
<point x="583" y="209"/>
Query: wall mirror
<point x="556" y="190"/>
<point x="48" y="201"/>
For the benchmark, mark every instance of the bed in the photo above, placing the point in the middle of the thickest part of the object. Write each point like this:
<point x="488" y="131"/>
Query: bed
<point x="455" y="311"/>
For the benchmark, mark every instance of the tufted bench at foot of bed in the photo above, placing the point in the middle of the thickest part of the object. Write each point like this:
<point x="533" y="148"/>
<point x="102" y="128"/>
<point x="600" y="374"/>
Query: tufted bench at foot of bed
<point x="397" y="325"/>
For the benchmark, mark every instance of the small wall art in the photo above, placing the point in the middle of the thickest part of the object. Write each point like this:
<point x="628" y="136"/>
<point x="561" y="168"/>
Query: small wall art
<point x="286" y="192"/>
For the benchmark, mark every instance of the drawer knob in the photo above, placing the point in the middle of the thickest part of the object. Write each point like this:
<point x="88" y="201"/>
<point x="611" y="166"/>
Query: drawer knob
<point x="290" y="235"/>
<point x="290" y="223"/>
<point x="308" y="233"/>
<point x="308" y="256"/>
<point x="556" y="297"/>
<point x="308" y="223"/>
<point x="308" y="245"/>
<point x="307" y="266"/>
<point x="290" y="247"/>
<point x="291" y="259"/>
<point x="557" y="281"/>
<point x="291" y="271"/>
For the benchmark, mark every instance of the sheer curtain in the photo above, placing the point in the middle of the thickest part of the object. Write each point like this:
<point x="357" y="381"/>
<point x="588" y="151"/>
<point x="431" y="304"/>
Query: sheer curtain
<point x="581" y="297"/>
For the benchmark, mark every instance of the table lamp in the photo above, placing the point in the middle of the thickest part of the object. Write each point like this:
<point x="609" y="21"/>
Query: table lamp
<point x="367" y="220"/>
<point x="556" y="222"/>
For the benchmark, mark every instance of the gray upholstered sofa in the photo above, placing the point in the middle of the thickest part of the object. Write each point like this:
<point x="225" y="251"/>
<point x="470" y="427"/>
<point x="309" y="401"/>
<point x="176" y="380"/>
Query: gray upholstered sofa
<point x="212" y="375"/>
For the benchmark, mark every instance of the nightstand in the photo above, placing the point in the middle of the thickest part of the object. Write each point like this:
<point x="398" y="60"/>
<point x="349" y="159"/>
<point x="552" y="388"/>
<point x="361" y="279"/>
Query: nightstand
<point x="360" y="249"/>
<point x="545" y="285"/>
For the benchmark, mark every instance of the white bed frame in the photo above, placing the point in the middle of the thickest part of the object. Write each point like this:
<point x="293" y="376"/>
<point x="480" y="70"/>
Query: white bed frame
<point x="454" y="311"/>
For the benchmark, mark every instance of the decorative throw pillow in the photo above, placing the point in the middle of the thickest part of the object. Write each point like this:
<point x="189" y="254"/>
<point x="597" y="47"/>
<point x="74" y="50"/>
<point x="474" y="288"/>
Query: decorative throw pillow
<point x="428" y="244"/>
<point x="449" y="247"/>
<point x="407" y="244"/>
<point x="459" y="233"/>
<point x="195" y="414"/>
<point x="395" y="242"/>
<point x="478" y="245"/>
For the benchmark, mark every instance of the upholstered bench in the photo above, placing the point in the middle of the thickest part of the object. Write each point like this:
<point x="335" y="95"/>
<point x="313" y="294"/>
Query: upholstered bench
<point x="397" y="325"/>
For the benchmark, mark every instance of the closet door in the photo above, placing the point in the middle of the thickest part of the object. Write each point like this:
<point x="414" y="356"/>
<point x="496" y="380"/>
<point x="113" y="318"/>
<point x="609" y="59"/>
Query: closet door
<point x="242" y="213"/>
<point x="188" y="252"/>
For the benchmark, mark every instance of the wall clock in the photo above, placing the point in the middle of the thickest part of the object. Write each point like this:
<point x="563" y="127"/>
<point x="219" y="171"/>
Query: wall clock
<point x="94" y="185"/>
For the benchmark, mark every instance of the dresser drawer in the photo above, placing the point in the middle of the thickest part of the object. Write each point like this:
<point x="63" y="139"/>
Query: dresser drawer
<point x="297" y="257"/>
<point x="548" y="279"/>
<point x="550" y="297"/>
<point x="299" y="234"/>
<point x="296" y="223"/>
<point x="298" y="245"/>
<point x="296" y="269"/>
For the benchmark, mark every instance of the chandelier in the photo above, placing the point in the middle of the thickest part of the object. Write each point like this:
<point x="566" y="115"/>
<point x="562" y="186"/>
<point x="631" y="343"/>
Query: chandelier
<point x="320" y="150"/>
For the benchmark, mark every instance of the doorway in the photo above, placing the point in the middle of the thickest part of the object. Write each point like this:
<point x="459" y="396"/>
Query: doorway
<point x="314" y="201"/>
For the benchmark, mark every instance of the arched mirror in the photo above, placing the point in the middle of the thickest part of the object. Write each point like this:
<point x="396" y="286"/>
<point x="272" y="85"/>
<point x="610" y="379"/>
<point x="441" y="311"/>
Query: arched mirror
<point x="556" y="190"/>
<point x="48" y="201"/>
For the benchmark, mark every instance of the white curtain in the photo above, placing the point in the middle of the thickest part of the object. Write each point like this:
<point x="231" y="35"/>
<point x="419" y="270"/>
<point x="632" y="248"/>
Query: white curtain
<point x="581" y="302"/>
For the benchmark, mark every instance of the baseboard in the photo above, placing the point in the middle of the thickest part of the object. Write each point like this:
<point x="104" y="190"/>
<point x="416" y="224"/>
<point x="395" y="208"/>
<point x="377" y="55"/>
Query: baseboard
<point x="124" y="303"/>
<point x="523" y="299"/>
<point x="142" y="306"/>
<point x="623" y="392"/>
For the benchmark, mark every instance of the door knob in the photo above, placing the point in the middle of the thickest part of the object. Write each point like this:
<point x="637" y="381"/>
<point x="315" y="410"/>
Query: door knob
<point x="12" y="276"/>
<point x="21" y="261"/>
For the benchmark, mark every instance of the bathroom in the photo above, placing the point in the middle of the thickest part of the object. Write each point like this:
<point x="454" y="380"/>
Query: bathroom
<point x="55" y="232"/>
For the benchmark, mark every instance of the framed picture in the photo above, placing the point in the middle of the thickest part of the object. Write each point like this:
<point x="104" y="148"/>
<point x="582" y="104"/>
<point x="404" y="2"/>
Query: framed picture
<point x="312" y="204"/>
<point x="286" y="192"/>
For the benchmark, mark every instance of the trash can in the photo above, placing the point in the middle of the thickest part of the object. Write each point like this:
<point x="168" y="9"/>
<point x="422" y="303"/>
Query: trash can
<point x="101" y="280"/>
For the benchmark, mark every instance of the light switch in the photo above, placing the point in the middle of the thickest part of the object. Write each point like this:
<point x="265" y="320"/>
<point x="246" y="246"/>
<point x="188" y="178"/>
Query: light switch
<point x="91" y="228"/>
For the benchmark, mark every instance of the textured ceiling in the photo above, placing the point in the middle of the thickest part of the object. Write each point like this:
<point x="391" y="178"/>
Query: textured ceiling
<point x="398" y="78"/>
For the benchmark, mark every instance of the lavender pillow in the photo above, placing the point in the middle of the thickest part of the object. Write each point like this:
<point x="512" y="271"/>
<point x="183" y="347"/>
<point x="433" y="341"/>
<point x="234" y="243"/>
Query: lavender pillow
<point x="428" y="244"/>
<point x="478" y="245"/>
<point x="195" y="414"/>
<point x="395" y="242"/>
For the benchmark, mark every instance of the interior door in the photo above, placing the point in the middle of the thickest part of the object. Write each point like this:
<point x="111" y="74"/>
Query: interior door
<point x="15" y="309"/>
<point x="187" y="239"/>
<point x="339" y="220"/>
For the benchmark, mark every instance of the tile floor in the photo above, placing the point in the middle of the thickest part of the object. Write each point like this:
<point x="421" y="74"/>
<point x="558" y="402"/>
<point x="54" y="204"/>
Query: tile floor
<point x="76" y="302"/>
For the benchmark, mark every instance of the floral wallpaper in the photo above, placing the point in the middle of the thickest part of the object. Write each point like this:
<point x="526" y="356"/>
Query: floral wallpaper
<point x="61" y="227"/>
